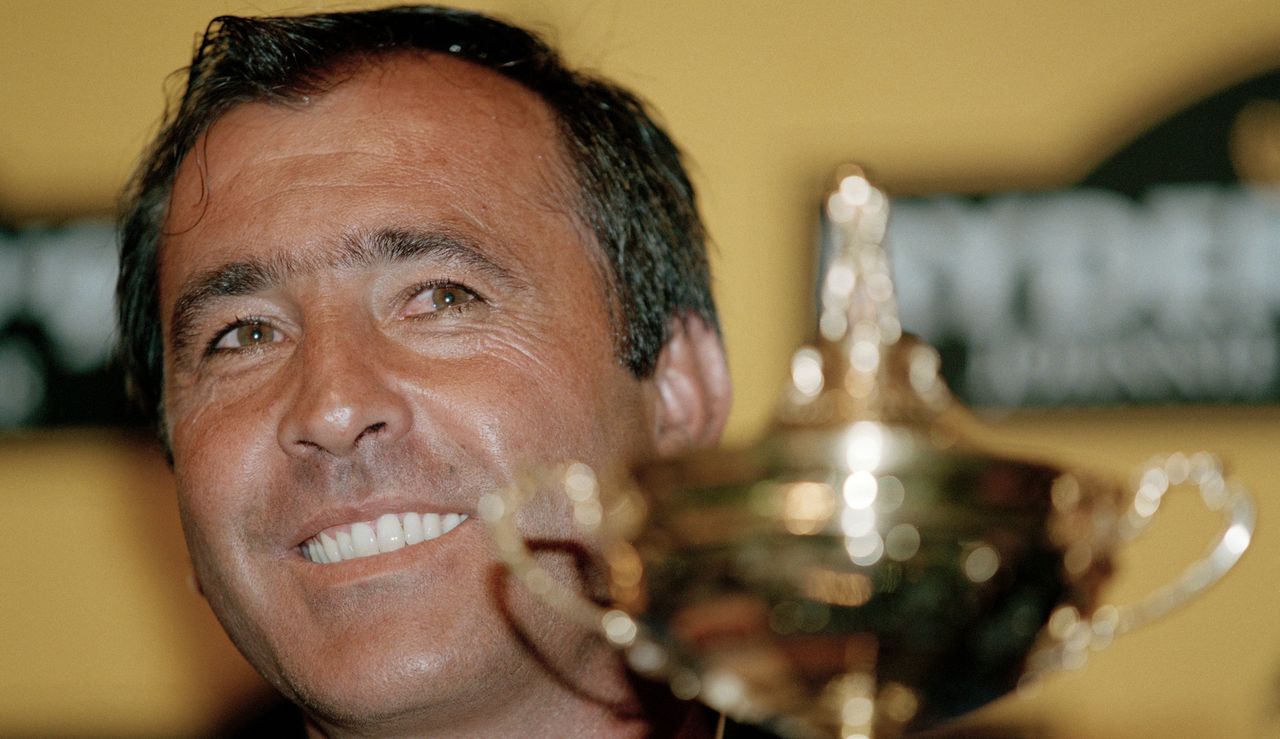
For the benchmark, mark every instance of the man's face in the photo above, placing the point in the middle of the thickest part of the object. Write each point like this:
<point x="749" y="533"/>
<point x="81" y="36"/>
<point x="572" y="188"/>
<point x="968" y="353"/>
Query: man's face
<point x="378" y="301"/>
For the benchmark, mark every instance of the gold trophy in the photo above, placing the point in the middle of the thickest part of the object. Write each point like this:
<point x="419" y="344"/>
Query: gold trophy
<point x="866" y="568"/>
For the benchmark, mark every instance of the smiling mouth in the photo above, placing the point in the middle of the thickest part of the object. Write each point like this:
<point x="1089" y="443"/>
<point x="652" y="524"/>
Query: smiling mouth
<point x="391" y="531"/>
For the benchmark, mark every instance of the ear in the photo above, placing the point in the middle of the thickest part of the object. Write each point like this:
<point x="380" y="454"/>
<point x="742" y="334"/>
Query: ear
<point x="693" y="392"/>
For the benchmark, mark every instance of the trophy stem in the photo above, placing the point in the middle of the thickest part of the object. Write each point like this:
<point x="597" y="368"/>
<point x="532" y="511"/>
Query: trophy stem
<point x="864" y="706"/>
<point x="852" y="696"/>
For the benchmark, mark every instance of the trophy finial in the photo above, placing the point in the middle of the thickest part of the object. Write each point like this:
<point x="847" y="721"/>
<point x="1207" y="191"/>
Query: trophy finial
<point x="859" y="366"/>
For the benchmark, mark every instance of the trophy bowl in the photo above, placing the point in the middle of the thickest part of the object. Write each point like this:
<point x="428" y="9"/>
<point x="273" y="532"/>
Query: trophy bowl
<point x="865" y="568"/>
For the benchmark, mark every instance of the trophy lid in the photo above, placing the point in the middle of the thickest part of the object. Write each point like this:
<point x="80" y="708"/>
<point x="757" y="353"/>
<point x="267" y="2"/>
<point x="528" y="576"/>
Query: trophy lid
<point x="861" y="366"/>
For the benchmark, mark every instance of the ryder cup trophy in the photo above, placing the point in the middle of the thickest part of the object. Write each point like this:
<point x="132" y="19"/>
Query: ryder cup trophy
<point x="865" y="568"/>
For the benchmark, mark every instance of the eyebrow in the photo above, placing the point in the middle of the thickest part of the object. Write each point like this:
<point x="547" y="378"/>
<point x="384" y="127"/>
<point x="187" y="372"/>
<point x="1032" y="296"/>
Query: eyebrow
<point x="384" y="246"/>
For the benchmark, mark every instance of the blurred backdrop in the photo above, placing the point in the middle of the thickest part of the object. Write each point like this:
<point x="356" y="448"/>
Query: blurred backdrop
<point x="1085" y="229"/>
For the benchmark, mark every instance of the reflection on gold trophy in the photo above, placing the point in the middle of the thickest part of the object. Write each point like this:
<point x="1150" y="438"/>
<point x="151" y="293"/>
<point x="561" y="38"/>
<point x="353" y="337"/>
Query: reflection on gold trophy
<point x="865" y="568"/>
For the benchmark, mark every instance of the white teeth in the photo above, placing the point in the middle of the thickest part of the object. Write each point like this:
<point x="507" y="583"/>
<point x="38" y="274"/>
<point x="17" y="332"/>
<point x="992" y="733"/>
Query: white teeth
<point x="344" y="545"/>
<point x="331" y="552"/>
<point x="390" y="533"/>
<point x="387" y="534"/>
<point x="364" y="539"/>
<point x="412" y="528"/>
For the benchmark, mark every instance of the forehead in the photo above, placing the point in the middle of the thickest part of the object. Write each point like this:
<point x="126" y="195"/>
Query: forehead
<point x="409" y="138"/>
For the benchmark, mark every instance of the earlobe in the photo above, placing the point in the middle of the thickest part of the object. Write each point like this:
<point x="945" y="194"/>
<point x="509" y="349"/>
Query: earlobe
<point x="693" y="388"/>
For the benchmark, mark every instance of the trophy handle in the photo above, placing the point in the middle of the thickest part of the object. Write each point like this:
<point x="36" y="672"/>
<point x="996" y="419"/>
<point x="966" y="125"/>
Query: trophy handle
<point x="578" y="483"/>
<point x="1219" y="495"/>
<point x="1075" y="636"/>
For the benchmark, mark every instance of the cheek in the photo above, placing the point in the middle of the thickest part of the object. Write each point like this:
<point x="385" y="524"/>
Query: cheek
<point x="217" y="420"/>
<point x="523" y="403"/>
<point x="221" y="459"/>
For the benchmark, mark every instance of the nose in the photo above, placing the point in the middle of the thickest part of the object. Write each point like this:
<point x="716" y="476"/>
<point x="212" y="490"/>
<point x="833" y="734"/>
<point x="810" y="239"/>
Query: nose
<point x="344" y="402"/>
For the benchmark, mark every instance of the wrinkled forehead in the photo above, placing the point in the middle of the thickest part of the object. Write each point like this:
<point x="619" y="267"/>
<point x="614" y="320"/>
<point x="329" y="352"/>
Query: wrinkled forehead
<point x="402" y="125"/>
<point x="388" y="107"/>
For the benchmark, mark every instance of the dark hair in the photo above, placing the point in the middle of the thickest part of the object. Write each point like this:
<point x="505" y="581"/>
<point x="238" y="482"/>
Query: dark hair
<point x="633" y="192"/>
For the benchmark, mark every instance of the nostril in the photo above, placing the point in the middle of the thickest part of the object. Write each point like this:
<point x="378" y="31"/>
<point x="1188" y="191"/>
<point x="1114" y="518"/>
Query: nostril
<point x="340" y="417"/>
<point x="371" y="429"/>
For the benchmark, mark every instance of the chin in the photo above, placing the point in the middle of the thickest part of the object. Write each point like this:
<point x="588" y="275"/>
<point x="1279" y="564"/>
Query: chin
<point x="386" y="685"/>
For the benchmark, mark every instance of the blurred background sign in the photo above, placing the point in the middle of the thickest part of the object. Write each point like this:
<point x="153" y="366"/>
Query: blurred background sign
<point x="1083" y="297"/>
<point x="57" y="327"/>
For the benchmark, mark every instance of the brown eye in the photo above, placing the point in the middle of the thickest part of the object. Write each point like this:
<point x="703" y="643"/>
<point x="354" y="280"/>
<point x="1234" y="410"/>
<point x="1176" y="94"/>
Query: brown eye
<point x="248" y="335"/>
<point x="440" y="298"/>
<point x="447" y="297"/>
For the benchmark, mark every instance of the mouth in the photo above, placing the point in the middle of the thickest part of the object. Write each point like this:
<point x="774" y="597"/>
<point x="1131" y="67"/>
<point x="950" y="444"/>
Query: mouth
<point x="388" y="533"/>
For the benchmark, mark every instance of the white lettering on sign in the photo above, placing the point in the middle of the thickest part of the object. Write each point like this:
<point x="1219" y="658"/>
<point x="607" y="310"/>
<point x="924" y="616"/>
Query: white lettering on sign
<point x="1086" y="296"/>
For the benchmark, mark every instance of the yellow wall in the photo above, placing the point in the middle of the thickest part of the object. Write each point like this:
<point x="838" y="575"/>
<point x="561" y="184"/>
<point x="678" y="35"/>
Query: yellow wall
<point x="100" y="633"/>
<point x="95" y="622"/>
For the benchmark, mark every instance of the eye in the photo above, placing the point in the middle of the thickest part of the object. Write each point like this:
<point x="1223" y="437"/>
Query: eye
<point x="438" y="298"/>
<point x="247" y="335"/>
